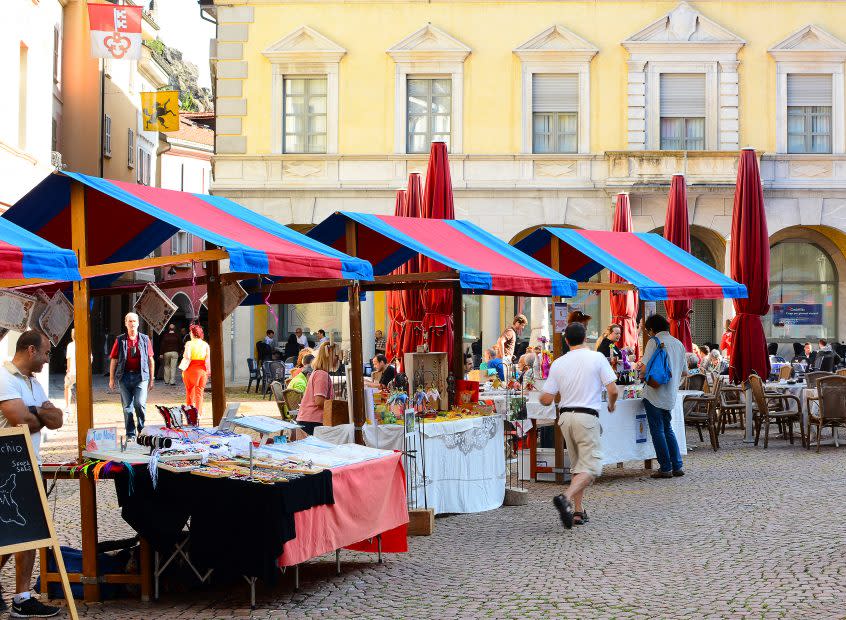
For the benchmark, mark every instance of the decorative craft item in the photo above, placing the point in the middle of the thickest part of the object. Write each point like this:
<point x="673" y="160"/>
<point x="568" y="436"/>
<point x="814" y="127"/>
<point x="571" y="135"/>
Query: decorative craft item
<point x="42" y="300"/>
<point x="56" y="318"/>
<point x="233" y="295"/>
<point x="15" y="309"/>
<point x="155" y="307"/>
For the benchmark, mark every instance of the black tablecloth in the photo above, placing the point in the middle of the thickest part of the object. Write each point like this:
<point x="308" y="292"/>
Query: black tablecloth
<point x="236" y="526"/>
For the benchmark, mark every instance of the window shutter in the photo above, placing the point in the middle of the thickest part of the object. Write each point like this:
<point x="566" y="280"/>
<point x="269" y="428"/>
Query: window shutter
<point x="682" y="94"/>
<point x="555" y="93"/>
<point x="809" y="90"/>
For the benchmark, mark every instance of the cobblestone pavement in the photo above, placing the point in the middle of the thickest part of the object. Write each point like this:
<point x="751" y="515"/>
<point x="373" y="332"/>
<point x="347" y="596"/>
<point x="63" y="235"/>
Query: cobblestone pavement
<point x="748" y="533"/>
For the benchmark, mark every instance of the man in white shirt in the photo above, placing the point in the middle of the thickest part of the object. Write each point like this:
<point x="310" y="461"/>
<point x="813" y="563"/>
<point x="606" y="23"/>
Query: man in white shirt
<point x="578" y="378"/>
<point x="301" y="338"/>
<point x="22" y="401"/>
<point x="322" y="337"/>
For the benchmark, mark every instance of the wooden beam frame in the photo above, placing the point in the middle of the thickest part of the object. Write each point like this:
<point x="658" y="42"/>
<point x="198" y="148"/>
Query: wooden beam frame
<point x="606" y="286"/>
<point x="356" y="390"/>
<point x="214" y="303"/>
<point x="92" y="271"/>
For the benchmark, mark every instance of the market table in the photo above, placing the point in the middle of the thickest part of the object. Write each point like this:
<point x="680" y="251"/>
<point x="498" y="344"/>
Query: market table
<point x="625" y="432"/>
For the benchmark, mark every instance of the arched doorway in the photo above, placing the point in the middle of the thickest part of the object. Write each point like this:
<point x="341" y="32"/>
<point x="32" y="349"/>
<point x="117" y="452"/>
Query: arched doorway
<point x="803" y="292"/>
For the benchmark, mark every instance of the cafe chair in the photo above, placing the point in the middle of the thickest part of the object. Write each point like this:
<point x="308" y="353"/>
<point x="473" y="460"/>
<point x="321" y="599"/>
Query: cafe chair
<point x="254" y="374"/>
<point x="701" y="411"/>
<point x="766" y="415"/>
<point x="732" y="407"/>
<point x="695" y="383"/>
<point x="841" y="372"/>
<point x="832" y="407"/>
<point x="292" y="398"/>
<point x="811" y="378"/>
<point x="785" y="372"/>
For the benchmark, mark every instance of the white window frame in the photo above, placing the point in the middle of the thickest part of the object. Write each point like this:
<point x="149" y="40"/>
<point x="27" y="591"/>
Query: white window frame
<point x="444" y="59"/>
<point x="556" y="50"/>
<point x="107" y="135"/>
<point x="305" y="113"/>
<point x="653" y="100"/>
<point x="181" y="243"/>
<point x="451" y="112"/>
<point x="838" y="128"/>
<point x="130" y="148"/>
<point x="304" y="53"/>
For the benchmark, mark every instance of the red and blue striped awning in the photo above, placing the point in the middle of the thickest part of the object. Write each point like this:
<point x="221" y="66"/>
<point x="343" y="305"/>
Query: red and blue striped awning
<point x="126" y="221"/>
<point x="24" y="255"/>
<point x="483" y="262"/>
<point x="659" y="269"/>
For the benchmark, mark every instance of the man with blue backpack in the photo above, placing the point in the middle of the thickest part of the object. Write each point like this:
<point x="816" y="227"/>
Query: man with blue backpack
<point x="662" y="370"/>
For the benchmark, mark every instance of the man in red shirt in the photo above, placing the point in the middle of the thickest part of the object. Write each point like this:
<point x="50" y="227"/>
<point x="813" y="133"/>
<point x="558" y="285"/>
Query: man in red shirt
<point x="133" y="369"/>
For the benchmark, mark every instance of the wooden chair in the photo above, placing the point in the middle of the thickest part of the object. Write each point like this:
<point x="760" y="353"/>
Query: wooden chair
<point x="732" y="406"/>
<point x="701" y="411"/>
<point x="695" y="382"/>
<point x="811" y="379"/>
<point x="785" y="372"/>
<point x="841" y="372"/>
<point x="292" y="401"/>
<point x="832" y="406"/>
<point x="766" y="415"/>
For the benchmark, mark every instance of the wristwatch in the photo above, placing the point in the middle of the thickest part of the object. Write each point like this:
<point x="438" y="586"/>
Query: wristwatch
<point x="34" y="411"/>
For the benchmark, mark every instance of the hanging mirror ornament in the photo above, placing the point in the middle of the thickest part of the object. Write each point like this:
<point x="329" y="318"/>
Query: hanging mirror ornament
<point x="56" y="318"/>
<point x="155" y="307"/>
<point x="233" y="295"/>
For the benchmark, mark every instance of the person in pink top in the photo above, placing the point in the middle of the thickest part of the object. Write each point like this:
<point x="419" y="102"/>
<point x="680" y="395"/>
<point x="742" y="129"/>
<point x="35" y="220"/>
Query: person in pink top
<point x="318" y="389"/>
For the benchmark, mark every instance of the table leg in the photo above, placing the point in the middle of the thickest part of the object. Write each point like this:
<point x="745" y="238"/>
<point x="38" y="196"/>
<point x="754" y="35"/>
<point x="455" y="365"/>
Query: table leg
<point x="533" y="453"/>
<point x="144" y="570"/>
<point x="647" y="464"/>
<point x="338" y="561"/>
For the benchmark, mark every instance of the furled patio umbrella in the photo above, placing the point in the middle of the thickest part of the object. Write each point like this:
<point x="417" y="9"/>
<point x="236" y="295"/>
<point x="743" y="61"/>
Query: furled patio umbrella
<point x="624" y="303"/>
<point x="750" y="265"/>
<point x="411" y="302"/>
<point x="396" y="319"/>
<point x="438" y="204"/>
<point x="677" y="231"/>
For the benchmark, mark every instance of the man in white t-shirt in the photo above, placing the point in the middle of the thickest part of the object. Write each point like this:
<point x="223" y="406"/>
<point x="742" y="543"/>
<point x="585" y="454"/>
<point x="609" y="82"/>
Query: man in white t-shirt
<point x="301" y="338"/>
<point x="578" y="377"/>
<point x="22" y="401"/>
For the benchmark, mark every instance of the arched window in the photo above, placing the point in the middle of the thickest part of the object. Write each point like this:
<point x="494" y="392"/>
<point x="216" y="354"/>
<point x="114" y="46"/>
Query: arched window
<point x="803" y="293"/>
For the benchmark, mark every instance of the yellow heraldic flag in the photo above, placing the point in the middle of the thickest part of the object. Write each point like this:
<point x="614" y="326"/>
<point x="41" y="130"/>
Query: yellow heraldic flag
<point x="160" y="110"/>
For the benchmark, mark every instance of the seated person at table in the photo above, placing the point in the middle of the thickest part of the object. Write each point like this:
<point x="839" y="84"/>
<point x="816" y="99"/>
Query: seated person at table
<point x="526" y="367"/>
<point x="824" y="352"/>
<point x="318" y="389"/>
<point x="801" y="353"/>
<point x="607" y="345"/>
<point x="494" y="363"/>
<point x="389" y="373"/>
<point x="692" y="364"/>
<point x="714" y="362"/>
<point x="300" y="380"/>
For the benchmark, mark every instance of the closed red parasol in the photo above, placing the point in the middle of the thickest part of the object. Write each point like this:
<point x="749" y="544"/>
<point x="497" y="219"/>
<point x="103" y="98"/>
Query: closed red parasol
<point x="624" y="303"/>
<point x="411" y="303"/>
<point x="750" y="265"/>
<point x="438" y="204"/>
<point x="677" y="232"/>
<point x="396" y="318"/>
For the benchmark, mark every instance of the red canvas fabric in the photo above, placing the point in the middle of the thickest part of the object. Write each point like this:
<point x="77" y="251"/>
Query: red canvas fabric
<point x="369" y="500"/>
<point x="396" y="318"/>
<point x="624" y="303"/>
<point x="438" y="204"/>
<point x="750" y="265"/>
<point x="677" y="231"/>
<point x="412" y="302"/>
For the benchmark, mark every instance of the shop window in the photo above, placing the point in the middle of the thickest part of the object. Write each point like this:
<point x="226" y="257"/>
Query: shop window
<point x="803" y="277"/>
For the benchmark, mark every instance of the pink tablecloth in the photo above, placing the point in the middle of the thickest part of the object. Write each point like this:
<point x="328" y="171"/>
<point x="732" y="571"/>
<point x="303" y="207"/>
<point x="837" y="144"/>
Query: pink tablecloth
<point x="369" y="500"/>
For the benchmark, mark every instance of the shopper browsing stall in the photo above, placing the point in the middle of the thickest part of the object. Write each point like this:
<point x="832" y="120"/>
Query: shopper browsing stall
<point x="508" y="339"/>
<point x="659" y="399"/>
<point x="196" y="364"/>
<point x="578" y="378"/>
<point x="493" y="362"/>
<point x="608" y="343"/>
<point x="318" y="389"/>
<point x="300" y="380"/>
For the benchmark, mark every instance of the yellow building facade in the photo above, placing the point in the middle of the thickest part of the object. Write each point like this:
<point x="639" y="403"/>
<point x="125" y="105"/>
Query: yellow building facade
<point x="550" y="108"/>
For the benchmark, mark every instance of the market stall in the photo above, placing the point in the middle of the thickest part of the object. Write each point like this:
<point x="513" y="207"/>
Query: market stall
<point x="113" y="227"/>
<point x="658" y="270"/>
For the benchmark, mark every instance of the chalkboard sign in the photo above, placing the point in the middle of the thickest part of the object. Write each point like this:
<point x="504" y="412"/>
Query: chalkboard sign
<point x="23" y="519"/>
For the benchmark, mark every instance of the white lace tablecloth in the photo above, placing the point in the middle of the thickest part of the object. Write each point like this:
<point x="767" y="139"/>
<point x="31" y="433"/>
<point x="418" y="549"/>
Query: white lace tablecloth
<point x="623" y="438"/>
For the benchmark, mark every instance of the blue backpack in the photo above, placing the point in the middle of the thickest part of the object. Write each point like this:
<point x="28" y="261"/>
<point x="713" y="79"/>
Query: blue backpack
<point x="658" y="369"/>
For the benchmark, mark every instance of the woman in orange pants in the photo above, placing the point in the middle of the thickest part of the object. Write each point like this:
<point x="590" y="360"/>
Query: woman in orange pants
<point x="195" y="375"/>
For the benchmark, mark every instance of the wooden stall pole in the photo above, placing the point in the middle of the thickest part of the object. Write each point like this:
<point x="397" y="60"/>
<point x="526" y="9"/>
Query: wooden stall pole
<point x="558" y="351"/>
<point x="216" y="357"/>
<point x="457" y="333"/>
<point x="356" y="390"/>
<point x="84" y="395"/>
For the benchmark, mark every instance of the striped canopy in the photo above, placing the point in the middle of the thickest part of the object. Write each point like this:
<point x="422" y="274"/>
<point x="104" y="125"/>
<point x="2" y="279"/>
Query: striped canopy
<point x="484" y="263"/>
<point x="659" y="269"/>
<point x="24" y="255"/>
<point x="127" y="222"/>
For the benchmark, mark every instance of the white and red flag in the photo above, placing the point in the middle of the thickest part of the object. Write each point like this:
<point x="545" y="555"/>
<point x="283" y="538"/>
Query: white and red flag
<point x="115" y="31"/>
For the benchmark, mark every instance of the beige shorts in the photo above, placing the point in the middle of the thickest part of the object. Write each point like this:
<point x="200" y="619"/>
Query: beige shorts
<point x="581" y="434"/>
